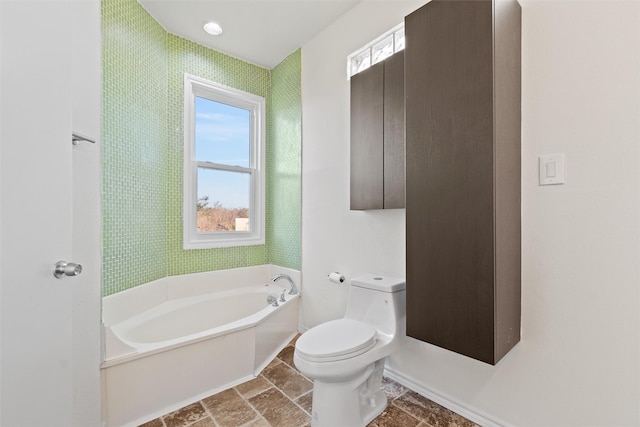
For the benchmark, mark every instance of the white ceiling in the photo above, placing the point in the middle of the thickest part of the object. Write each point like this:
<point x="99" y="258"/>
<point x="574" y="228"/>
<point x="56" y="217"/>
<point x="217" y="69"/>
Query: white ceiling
<point x="263" y="32"/>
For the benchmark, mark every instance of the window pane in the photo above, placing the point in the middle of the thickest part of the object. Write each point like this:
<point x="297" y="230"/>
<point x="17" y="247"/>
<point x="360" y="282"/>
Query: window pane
<point x="222" y="133"/>
<point x="399" y="39"/>
<point x="223" y="200"/>
<point x="360" y="62"/>
<point x="383" y="49"/>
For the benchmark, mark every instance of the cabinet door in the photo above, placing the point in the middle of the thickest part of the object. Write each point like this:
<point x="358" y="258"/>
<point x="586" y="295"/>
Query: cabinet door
<point x="367" y="152"/>
<point x="462" y="69"/>
<point x="394" y="131"/>
<point x="450" y="217"/>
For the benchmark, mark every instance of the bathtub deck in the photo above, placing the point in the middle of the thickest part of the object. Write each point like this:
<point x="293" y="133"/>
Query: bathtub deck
<point x="281" y="397"/>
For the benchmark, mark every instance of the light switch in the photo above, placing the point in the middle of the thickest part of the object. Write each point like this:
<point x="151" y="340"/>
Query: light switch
<point x="551" y="169"/>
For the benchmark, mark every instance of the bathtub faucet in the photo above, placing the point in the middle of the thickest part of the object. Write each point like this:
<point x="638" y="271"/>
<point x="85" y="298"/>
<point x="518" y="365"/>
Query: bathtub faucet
<point x="277" y="277"/>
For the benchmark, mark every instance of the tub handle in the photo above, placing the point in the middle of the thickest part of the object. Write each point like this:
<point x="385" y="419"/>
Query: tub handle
<point x="282" y="296"/>
<point x="272" y="300"/>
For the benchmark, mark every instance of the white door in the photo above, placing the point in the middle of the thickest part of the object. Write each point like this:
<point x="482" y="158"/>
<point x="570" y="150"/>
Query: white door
<point x="49" y="327"/>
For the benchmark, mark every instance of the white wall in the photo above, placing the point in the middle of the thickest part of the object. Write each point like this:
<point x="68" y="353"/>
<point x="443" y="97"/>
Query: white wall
<point x="87" y="226"/>
<point x="333" y="237"/>
<point x="579" y="359"/>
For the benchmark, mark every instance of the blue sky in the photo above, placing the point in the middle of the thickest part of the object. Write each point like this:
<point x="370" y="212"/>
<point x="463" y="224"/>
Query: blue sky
<point x="222" y="135"/>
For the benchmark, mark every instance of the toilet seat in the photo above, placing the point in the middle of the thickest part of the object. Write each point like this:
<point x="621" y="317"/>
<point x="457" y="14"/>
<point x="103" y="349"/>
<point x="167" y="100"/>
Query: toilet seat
<point x="336" y="340"/>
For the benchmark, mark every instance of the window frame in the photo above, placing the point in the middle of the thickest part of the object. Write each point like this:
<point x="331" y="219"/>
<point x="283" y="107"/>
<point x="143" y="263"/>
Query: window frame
<point x="368" y="50"/>
<point x="192" y="239"/>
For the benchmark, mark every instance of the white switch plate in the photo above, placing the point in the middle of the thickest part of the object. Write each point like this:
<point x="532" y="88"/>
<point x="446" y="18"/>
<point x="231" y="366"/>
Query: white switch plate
<point x="551" y="169"/>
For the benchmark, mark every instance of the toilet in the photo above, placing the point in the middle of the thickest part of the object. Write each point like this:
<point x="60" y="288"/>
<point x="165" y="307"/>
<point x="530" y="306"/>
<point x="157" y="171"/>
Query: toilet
<point x="345" y="357"/>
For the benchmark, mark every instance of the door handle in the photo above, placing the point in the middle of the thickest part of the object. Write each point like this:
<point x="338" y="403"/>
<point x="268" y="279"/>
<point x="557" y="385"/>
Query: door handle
<point x="64" y="268"/>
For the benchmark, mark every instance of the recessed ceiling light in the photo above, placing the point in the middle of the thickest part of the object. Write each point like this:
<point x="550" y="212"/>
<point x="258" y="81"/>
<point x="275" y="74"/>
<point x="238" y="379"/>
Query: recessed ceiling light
<point x="212" y="28"/>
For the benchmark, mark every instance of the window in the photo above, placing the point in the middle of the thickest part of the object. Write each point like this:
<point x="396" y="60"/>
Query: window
<point x="381" y="48"/>
<point x="223" y="166"/>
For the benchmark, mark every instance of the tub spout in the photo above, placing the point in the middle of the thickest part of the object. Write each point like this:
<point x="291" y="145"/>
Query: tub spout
<point x="294" y="289"/>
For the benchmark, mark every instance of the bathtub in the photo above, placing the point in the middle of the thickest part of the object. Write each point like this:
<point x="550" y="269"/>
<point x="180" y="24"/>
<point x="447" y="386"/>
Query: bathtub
<point x="174" y="341"/>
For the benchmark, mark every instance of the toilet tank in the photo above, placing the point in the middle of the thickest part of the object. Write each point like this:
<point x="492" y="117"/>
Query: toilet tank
<point x="378" y="301"/>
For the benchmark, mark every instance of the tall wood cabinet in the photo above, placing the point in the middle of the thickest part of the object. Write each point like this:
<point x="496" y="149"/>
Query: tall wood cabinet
<point x="462" y="85"/>
<point x="377" y="136"/>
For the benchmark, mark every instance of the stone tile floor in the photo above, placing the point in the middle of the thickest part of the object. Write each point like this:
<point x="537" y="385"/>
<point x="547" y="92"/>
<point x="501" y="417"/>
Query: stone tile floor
<point x="281" y="397"/>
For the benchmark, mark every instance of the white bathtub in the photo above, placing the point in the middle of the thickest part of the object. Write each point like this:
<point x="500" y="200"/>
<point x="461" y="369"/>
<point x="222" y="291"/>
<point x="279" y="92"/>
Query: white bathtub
<point x="177" y="340"/>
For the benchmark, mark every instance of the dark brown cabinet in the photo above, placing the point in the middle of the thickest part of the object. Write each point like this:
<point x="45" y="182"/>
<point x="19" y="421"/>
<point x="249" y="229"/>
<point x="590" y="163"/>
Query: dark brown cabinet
<point x="462" y="75"/>
<point x="377" y="136"/>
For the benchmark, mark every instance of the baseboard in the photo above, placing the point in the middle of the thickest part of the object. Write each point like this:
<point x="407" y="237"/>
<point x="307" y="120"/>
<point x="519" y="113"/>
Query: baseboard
<point x="442" y="399"/>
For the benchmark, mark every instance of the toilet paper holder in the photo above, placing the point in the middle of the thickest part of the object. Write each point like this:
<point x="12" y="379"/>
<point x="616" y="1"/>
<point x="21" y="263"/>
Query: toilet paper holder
<point x="336" y="277"/>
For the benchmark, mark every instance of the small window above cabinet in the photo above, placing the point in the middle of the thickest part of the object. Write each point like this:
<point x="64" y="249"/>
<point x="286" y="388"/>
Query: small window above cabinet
<point x="377" y="136"/>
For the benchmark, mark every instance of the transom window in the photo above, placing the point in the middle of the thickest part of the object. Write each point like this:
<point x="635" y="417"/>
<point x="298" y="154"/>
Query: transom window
<point x="378" y="50"/>
<point x="223" y="166"/>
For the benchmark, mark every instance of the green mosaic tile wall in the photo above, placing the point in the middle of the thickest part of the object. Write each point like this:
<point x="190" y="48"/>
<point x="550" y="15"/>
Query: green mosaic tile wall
<point x="284" y="167"/>
<point x="143" y="70"/>
<point x="134" y="152"/>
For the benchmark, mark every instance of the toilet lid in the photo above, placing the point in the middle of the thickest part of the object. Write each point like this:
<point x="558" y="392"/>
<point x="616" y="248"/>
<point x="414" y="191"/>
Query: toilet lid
<point x="337" y="339"/>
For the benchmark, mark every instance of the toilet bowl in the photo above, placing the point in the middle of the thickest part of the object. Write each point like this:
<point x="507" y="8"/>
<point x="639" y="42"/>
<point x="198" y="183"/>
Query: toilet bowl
<point x="345" y="357"/>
